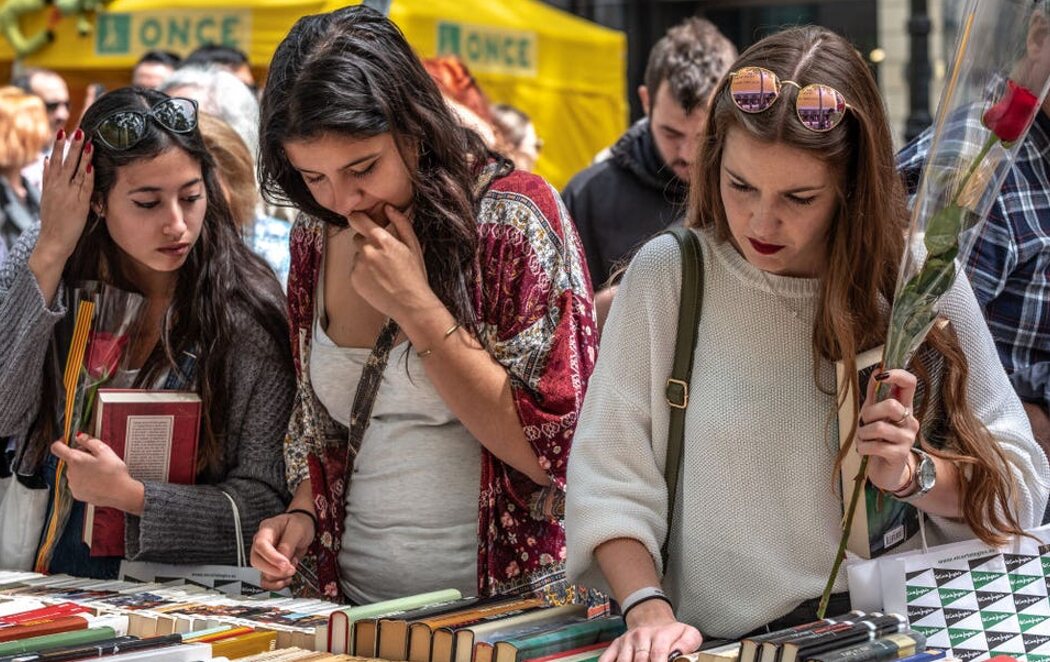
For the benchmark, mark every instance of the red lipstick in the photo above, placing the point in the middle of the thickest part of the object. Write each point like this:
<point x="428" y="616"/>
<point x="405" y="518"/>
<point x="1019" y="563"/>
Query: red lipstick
<point x="764" y="249"/>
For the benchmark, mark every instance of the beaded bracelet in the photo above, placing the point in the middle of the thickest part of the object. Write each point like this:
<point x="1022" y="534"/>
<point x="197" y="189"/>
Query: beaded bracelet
<point x="427" y="352"/>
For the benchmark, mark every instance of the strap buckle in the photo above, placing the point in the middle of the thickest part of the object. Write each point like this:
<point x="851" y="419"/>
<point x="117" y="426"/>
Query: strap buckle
<point x="677" y="393"/>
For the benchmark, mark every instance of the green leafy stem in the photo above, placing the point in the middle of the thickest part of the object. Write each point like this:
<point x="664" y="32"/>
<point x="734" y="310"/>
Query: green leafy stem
<point x="914" y="312"/>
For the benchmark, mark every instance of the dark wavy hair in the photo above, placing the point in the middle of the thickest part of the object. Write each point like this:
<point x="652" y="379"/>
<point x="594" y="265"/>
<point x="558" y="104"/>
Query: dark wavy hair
<point x="865" y="245"/>
<point x="351" y="72"/>
<point x="221" y="279"/>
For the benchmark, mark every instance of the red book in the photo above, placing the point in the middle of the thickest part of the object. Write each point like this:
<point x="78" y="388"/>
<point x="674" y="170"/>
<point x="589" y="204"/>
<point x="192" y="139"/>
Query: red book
<point x="156" y="434"/>
<point x="43" y="613"/>
<point x="61" y="624"/>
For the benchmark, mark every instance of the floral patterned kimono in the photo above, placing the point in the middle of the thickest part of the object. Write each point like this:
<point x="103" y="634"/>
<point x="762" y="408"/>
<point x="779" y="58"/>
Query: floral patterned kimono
<point x="532" y="301"/>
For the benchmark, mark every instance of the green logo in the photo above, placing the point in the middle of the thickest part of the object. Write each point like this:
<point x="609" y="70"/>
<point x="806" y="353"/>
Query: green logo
<point x="959" y="636"/>
<point x="174" y="30"/>
<point x="982" y="579"/>
<point x="1029" y="621"/>
<point x="949" y="596"/>
<point x="113" y="34"/>
<point x="990" y="618"/>
<point x="1020" y="581"/>
<point x="490" y="50"/>
<point x="916" y="592"/>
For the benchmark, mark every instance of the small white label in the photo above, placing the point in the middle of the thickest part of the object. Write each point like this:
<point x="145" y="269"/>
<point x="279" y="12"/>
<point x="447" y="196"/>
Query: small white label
<point x="893" y="536"/>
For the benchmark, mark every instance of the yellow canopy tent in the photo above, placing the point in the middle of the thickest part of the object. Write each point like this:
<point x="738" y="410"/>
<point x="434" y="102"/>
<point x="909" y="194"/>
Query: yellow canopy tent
<point x="568" y="74"/>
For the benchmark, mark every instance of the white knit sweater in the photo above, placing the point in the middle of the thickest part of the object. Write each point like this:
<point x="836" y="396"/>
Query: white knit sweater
<point x="757" y="525"/>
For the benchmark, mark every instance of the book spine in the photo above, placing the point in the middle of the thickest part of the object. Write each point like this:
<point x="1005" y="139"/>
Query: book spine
<point x="886" y="648"/>
<point x="570" y="636"/>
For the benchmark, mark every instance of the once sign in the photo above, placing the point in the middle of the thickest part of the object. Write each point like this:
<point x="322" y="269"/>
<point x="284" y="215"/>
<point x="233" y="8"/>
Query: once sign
<point x="486" y="49"/>
<point x="135" y="33"/>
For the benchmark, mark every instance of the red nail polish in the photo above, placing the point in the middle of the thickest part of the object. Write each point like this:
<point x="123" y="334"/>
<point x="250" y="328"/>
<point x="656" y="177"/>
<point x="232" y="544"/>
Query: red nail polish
<point x="78" y="134"/>
<point x="89" y="147"/>
<point x="89" y="169"/>
<point x="61" y="135"/>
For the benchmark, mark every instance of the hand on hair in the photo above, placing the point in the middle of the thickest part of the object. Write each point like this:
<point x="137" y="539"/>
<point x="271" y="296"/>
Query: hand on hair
<point x="65" y="195"/>
<point x="388" y="269"/>
<point x="888" y="430"/>
<point x="97" y="476"/>
<point x="278" y="546"/>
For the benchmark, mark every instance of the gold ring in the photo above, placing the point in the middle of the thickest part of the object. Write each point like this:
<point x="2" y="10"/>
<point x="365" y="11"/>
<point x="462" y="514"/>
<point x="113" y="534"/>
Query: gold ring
<point x="907" y="413"/>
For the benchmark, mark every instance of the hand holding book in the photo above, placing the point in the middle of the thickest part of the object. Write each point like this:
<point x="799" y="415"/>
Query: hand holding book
<point x="96" y="475"/>
<point x="888" y="430"/>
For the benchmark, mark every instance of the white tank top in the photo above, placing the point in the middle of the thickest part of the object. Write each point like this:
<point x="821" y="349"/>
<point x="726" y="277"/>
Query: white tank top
<point x="412" y="505"/>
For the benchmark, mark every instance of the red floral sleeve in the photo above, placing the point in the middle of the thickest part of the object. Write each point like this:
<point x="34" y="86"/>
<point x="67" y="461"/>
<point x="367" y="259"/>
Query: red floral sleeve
<point x="536" y="318"/>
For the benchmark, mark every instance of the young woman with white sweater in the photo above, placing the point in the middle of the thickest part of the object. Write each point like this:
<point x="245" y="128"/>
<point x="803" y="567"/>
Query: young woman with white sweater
<point x="802" y="223"/>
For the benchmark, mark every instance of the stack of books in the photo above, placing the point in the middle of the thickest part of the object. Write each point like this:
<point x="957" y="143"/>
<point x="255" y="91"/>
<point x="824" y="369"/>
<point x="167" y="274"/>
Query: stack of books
<point x="853" y="637"/>
<point x="201" y="622"/>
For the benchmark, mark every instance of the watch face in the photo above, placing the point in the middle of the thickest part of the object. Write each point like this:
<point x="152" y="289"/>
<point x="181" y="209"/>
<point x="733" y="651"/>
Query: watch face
<point x="927" y="474"/>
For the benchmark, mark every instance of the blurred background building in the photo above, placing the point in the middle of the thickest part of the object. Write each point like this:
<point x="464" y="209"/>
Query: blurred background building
<point x="879" y="28"/>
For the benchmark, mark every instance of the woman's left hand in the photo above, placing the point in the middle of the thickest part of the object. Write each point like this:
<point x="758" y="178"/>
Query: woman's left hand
<point x="888" y="431"/>
<point x="388" y="269"/>
<point x="97" y="476"/>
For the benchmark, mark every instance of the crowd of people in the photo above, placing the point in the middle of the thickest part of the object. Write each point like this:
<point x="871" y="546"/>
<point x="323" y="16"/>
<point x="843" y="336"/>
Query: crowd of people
<point x="422" y="367"/>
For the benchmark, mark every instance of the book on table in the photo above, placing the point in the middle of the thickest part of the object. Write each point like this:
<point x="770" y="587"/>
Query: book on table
<point x="559" y="637"/>
<point x="156" y="434"/>
<point x="475" y="642"/>
<point x="421" y="632"/>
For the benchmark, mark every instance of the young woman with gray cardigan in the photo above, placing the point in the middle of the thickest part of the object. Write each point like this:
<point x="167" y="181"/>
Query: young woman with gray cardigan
<point x="135" y="202"/>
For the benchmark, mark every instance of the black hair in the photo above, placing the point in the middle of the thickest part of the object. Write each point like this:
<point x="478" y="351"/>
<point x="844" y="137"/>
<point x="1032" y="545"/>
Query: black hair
<point x="351" y="72"/>
<point x="160" y="57"/>
<point x="226" y="56"/>
<point x="221" y="281"/>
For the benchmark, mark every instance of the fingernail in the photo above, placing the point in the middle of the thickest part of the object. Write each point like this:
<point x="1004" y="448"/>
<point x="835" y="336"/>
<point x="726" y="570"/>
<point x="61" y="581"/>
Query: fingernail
<point x="882" y="376"/>
<point x="89" y="169"/>
<point x="61" y="135"/>
<point x="78" y="134"/>
<point x="88" y="147"/>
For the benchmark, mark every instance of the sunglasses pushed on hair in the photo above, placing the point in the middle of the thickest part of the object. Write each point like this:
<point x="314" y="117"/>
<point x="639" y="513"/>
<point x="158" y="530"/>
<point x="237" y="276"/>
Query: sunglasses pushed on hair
<point x="124" y="129"/>
<point x="819" y="107"/>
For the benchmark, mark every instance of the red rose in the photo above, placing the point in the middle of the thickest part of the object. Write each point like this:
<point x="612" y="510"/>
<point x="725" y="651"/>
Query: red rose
<point x="104" y="352"/>
<point x="1009" y="118"/>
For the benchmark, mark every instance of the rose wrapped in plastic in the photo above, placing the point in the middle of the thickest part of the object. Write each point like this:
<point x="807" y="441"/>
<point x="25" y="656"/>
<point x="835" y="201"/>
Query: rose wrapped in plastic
<point x="995" y="88"/>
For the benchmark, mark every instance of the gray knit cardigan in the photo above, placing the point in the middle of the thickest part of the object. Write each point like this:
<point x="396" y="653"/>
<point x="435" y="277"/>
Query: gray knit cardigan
<point x="180" y="523"/>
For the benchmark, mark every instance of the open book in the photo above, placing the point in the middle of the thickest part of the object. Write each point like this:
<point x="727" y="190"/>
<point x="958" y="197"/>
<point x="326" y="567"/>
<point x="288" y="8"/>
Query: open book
<point x="155" y="433"/>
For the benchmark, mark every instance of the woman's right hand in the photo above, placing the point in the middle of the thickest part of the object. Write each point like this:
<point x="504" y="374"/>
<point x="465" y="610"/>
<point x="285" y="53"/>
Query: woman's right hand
<point x="652" y="635"/>
<point x="65" y="195"/>
<point x="278" y="546"/>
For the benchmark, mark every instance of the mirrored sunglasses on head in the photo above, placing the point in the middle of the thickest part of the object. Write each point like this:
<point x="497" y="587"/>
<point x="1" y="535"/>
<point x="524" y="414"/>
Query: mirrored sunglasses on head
<point x="123" y="129"/>
<point x="819" y="107"/>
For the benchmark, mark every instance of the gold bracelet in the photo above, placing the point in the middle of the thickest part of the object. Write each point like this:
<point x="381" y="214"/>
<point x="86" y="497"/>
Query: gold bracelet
<point x="427" y="352"/>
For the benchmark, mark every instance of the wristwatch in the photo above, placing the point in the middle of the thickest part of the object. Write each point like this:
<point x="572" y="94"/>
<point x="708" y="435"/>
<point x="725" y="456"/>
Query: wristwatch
<point x="923" y="478"/>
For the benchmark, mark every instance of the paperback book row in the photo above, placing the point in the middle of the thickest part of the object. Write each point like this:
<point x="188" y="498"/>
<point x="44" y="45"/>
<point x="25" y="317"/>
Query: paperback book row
<point x="441" y="626"/>
<point x="853" y="637"/>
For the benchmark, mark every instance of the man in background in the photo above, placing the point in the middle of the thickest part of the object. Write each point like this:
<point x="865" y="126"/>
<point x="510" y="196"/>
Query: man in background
<point x="227" y="57"/>
<point x="53" y="91"/>
<point x="153" y="69"/>
<point x="641" y="188"/>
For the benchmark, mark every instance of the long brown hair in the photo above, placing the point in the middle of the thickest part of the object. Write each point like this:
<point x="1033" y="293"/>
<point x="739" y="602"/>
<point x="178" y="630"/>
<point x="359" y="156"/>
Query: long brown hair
<point x="865" y="244"/>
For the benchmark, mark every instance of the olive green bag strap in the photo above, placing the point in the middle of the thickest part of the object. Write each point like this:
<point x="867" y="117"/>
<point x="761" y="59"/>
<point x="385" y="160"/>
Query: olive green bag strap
<point x="677" y="390"/>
